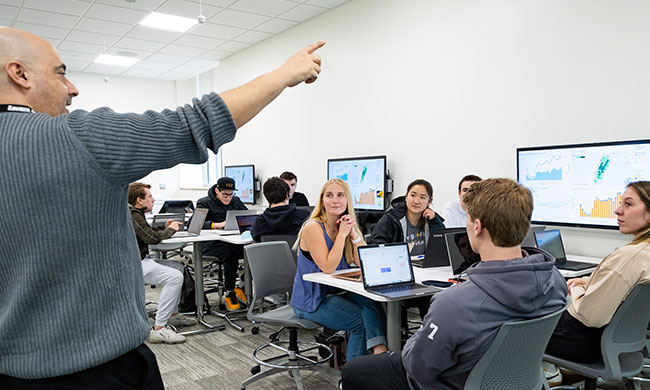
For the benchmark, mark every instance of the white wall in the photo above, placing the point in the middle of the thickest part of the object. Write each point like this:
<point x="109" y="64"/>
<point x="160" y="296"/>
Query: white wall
<point x="450" y="87"/>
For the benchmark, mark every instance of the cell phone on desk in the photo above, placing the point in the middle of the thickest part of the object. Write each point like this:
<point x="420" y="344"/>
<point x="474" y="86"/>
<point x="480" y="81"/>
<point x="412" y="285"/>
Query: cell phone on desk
<point x="437" y="283"/>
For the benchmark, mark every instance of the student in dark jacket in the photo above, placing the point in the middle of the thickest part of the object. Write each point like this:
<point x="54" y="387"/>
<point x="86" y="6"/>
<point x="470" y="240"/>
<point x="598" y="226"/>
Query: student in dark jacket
<point x="410" y="220"/>
<point x="295" y="197"/>
<point x="463" y="320"/>
<point x="221" y="198"/>
<point x="280" y="217"/>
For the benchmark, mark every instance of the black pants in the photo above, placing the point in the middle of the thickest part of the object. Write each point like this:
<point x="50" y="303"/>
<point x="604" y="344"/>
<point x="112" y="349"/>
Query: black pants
<point x="229" y="254"/>
<point x="136" y="369"/>
<point x="572" y="340"/>
<point x="378" y="372"/>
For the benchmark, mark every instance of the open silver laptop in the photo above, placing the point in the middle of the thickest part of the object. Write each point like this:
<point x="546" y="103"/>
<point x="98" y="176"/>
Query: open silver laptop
<point x="194" y="229"/>
<point x="231" y="222"/>
<point x="551" y="242"/>
<point x="387" y="271"/>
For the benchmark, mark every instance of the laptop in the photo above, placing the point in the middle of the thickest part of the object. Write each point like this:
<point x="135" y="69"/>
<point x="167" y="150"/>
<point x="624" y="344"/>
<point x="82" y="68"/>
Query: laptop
<point x="231" y="221"/>
<point x="386" y="270"/>
<point x="461" y="255"/>
<point x="245" y="222"/>
<point x="551" y="242"/>
<point x="530" y="236"/>
<point x="436" y="254"/>
<point x="194" y="229"/>
<point x="161" y="219"/>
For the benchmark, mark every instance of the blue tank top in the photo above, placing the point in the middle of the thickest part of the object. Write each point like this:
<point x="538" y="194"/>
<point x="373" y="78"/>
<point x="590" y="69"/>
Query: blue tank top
<point x="306" y="295"/>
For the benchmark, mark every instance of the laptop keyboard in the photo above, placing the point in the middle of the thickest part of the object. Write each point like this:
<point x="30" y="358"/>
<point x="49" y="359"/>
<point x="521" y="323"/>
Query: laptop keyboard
<point x="402" y="287"/>
<point x="575" y="265"/>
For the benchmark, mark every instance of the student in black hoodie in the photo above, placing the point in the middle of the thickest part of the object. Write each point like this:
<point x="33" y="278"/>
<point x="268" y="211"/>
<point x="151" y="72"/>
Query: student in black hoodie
<point x="221" y="198"/>
<point x="281" y="217"/>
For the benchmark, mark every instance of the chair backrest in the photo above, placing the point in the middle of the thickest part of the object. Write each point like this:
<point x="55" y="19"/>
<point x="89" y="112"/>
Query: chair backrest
<point x="272" y="268"/>
<point x="288" y="238"/>
<point x="625" y="334"/>
<point x="514" y="359"/>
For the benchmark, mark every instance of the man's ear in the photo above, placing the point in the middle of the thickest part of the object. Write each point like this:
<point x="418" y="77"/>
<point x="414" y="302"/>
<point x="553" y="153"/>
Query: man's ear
<point x="18" y="74"/>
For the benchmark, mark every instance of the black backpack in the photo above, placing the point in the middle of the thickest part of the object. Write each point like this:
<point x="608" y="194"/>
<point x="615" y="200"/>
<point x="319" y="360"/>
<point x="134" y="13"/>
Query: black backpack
<point x="187" y="303"/>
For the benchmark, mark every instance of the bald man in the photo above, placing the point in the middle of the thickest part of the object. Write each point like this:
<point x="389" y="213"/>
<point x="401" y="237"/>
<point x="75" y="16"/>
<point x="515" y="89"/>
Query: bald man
<point x="72" y="309"/>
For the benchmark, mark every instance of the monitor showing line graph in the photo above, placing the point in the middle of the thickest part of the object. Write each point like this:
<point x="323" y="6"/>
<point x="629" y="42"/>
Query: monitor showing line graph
<point x="366" y="177"/>
<point x="244" y="177"/>
<point x="581" y="185"/>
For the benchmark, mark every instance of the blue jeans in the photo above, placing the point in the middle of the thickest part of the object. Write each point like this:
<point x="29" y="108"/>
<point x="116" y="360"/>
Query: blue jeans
<point x="363" y="318"/>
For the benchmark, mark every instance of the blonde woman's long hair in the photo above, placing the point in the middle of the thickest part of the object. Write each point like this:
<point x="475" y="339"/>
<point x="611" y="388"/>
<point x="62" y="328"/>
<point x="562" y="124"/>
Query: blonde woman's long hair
<point x="319" y="214"/>
<point x="642" y="189"/>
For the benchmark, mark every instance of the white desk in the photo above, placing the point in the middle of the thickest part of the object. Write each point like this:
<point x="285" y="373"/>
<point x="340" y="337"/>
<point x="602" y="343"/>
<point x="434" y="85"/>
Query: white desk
<point x="197" y="254"/>
<point x="393" y="312"/>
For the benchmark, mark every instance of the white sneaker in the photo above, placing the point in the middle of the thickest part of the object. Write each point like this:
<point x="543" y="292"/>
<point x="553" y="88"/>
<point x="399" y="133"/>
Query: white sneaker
<point x="552" y="373"/>
<point x="181" y="320"/>
<point x="165" y="336"/>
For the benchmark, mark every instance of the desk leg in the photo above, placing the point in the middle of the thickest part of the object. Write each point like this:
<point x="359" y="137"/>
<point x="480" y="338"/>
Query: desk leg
<point x="393" y="326"/>
<point x="248" y="280"/>
<point x="198" y="294"/>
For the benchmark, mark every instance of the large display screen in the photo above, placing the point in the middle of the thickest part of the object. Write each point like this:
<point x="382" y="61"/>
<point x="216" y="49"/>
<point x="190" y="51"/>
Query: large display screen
<point x="244" y="177"/>
<point x="366" y="177"/>
<point x="581" y="185"/>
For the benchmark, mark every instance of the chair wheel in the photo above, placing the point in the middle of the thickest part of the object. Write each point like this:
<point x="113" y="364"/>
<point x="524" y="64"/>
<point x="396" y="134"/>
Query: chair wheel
<point x="255" y="369"/>
<point x="255" y="330"/>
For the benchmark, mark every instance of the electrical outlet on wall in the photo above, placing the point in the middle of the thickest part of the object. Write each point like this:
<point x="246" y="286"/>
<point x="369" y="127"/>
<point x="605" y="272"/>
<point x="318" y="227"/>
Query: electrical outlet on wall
<point x="162" y="186"/>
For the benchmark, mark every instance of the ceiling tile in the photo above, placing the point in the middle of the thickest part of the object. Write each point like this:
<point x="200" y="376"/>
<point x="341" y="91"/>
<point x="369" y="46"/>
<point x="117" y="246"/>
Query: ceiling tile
<point x="46" y="18"/>
<point x="152" y="65"/>
<point x="203" y="64"/>
<point x="182" y="50"/>
<point x="303" y="12"/>
<point x="103" y="26"/>
<point x="8" y="12"/>
<point x="198" y="41"/>
<point x="173" y="76"/>
<point x="186" y="69"/>
<point x="91" y="37"/>
<point x="68" y="7"/>
<point x="68" y="56"/>
<point x="143" y="5"/>
<point x="240" y="19"/>
<point x="53" y="42"/>
<point x="152" y="34"/>
<point x="5" y="22"/>
<point x="105" y="69"/>
<point x="81" y="47"/>
<point x="141" y="54"/>
<point x="276" y="25"/>
<point x="187" y="9"/>
<point x="135" y="44"/>
<point x="43" y="31"/>
<point x="116" y="14"/>
<point x="253" y="36"/>
<point x="15" y="3"/>
<point x="76" y="65"/>
<point x="142" y="73"/>
<point x="217" y="31"/>
<point x="233" y="46"/>
<point x="263" y="7"/>
<point x="217" y="3"/>
<point x="215" y="55"/>
<point x="326" y="3"/>
<point x="169" y="59"/>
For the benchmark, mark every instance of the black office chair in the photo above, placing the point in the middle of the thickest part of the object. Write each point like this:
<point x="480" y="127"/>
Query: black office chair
<point x="622" y="343"/>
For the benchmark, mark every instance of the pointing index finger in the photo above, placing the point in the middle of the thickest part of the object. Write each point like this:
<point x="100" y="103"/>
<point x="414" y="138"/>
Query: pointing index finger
<point x="315" y="46"/>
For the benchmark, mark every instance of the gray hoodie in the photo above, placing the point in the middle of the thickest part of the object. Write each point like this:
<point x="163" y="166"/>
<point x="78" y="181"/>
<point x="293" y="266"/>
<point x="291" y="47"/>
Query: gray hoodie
<point x="463" y="320"/>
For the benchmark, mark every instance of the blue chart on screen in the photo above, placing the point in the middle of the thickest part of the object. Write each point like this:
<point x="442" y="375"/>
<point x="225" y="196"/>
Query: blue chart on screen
<point x="581" y="184"/>
<point x="244" y="181"/>
<point x="366" y="178"/>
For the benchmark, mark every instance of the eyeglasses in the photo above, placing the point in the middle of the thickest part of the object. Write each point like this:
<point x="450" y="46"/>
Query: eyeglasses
<point x="227" y="194"/>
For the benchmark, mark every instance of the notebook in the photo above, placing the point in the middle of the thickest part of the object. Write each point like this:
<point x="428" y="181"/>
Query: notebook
<point x="436" y="253"/>
<point x="551" y="242"/>
<point x="461" y="255"/>
<point x="386" y="270"/>
<point x="194" y="229"/>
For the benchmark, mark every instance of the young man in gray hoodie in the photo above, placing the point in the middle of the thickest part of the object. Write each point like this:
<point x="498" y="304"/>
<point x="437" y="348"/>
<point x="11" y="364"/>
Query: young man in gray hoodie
<point x="507" y="285"/>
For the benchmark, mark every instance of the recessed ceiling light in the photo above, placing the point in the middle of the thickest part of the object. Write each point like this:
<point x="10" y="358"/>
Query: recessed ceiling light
<point x="168" y="22"/>
<point x="127" y="54"/>
<point x="115" y="60"/>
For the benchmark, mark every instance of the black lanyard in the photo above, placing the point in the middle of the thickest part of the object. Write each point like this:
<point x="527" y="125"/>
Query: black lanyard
<point x="15" y="108"/>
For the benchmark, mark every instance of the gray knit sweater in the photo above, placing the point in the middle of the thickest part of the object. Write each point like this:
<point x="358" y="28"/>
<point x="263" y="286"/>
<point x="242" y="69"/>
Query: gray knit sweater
<point x="71" y="285"/>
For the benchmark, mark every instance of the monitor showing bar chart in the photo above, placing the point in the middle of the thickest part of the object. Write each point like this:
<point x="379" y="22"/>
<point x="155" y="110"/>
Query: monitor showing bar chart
<point x="581" y="185"/>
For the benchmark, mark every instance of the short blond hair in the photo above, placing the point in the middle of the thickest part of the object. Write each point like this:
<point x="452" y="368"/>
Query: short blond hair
<point x="504" y="208"/>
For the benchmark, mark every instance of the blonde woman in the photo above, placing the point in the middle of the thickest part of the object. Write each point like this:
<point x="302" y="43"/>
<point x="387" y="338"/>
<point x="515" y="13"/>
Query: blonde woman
<point x="328" y="242"/>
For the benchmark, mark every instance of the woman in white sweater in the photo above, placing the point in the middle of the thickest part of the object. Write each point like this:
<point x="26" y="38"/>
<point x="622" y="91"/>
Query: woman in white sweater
<point x="595" y="298"/>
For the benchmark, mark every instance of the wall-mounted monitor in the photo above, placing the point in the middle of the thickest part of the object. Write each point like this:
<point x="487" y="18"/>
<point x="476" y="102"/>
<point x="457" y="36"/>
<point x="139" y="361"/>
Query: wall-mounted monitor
<point x="244" y="177"/>
<point x="581" y="185"/>
<point x="366" y="177"/>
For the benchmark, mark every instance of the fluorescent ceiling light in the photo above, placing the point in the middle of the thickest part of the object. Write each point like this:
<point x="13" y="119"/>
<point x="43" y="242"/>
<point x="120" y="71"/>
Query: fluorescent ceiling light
<point x="168" y="22"/>
<point x="115" y="60"/>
